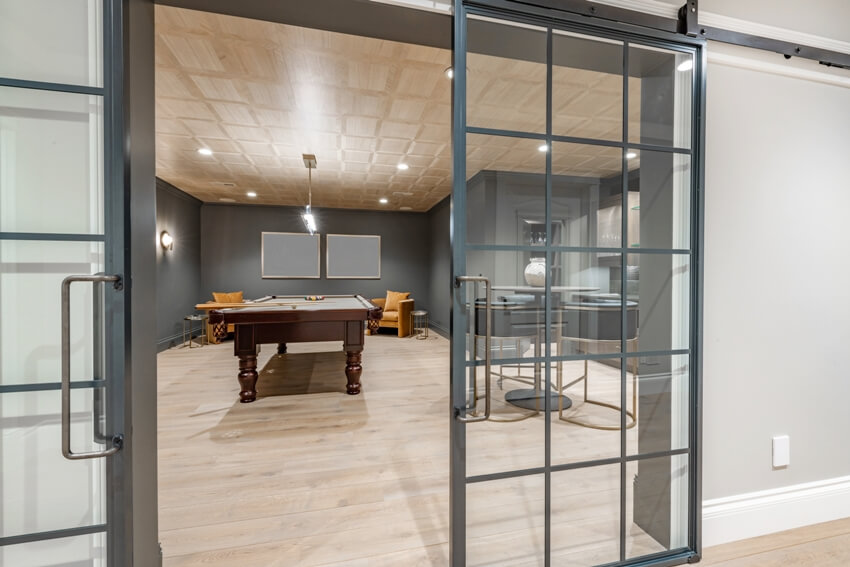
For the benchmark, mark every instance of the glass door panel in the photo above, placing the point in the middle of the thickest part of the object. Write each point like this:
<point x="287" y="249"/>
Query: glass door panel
<point x="571" y="332"/>
<point x="52" y="41"/>
<point x="61" y="345"/>
<point x="51" y="151"/>
<point x="661" y="287"/>
<point x="662" y="81"/>
<point x="664" y="390"/>
<point x="506" y="76"/>
<point x="659" y="199"/>
<point x="586" y="189"/>
<point x="88" y="550"/>
<point x="506" y="522"/>
<point x="41" y="490"/>
<point x="31" y="273"/>
<point x="587" y="87"/>
<point x="586" y="516"/>
<point x="505" y="190"/>
<point x="657" y="514"/>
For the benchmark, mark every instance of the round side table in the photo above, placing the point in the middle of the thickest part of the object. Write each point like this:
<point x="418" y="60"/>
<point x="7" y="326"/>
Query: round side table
<point x="419" y="324"/>
<point x="189" y="320"/>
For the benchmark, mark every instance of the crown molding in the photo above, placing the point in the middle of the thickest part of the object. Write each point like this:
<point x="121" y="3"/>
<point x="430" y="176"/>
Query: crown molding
<point x="819" y="75"/>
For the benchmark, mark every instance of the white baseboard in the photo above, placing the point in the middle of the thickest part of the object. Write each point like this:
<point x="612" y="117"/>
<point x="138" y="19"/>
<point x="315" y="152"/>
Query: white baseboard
<point x="769" y="511"/>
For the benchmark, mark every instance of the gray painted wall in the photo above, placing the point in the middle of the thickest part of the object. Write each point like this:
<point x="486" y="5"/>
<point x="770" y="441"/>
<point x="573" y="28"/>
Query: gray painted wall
<point x="776" y="280"/>
<point x="440" y="262"/>
<point x="178" y="271"/>
<point x="230" y="255"/>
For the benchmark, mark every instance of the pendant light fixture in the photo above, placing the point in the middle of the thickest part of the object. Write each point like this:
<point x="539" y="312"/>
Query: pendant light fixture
<point x="309" y="219"/>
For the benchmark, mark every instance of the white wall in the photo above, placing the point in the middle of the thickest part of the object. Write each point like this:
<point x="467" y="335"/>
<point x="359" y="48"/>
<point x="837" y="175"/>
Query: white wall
<point x="776" y="280"/>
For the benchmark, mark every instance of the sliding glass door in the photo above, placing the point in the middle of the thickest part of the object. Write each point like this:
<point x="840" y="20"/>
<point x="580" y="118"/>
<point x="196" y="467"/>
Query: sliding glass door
<point x="575" y="329"/>
<point x="62" y="332"/>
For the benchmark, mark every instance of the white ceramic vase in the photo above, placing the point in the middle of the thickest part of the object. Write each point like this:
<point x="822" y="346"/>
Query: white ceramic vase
<point x="535" y="272"/>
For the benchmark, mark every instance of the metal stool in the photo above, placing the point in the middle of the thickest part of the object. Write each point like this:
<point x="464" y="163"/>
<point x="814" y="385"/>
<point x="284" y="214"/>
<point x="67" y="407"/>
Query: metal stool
<point x="189" y="320"/>
<point x="419" y="324"/>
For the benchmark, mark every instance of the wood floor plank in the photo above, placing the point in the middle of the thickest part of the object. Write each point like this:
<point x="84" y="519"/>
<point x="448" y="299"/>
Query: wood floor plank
<point x="821" y="545"/>
<point x="308" y="476"/>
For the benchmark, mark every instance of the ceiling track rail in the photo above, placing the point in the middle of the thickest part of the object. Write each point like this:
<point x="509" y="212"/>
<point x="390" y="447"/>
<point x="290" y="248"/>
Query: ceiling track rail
<point x="688" y="24"/>
<point x="788" y="49"/>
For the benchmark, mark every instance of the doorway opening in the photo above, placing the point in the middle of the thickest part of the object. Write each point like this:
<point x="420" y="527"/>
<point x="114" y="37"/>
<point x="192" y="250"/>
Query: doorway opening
<point x="577" y="181"/>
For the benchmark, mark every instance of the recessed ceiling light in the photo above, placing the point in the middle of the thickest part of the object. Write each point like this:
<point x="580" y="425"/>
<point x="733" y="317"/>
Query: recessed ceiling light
<point x="450" y="73"/>
<point x="226" y="200"/>
<point x="405" y="208"/>
<point x="251" y="194"/>
<point x="205" y="151"/>
<point x="631" y="155"/>
<point x="403" y="166"/>
<point x="543" y="148"/>
<point x="686" y="65"/>
<point x="383" y="200"/>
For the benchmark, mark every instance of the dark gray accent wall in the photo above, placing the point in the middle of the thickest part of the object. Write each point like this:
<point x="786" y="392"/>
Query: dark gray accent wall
<point x="230" y="254"/>
<point x="440" y="265"/>
<point x="178" y="271"/>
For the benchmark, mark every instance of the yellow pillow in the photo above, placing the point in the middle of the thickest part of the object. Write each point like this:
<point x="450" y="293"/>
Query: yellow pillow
<point x="393" y="298"/>
<point x="232" y="297"/>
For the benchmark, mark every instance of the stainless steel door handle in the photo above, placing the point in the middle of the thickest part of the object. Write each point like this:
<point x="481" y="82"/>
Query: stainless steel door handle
<point x="487" y="354"/>
<point x="117" y="440"/>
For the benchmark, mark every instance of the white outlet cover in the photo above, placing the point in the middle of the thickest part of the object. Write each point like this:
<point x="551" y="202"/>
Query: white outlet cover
<point x="781" y="451"/>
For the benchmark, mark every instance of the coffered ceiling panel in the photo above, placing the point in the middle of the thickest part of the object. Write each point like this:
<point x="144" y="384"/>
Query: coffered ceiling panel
<point x="260" y="94"/>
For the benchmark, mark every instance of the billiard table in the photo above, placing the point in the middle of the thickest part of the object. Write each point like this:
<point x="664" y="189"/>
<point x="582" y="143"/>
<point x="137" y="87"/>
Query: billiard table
<point x="286" y="319"/>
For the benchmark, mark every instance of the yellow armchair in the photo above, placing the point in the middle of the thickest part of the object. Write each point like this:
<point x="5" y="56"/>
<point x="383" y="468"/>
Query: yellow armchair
<point x="395" y="319"/>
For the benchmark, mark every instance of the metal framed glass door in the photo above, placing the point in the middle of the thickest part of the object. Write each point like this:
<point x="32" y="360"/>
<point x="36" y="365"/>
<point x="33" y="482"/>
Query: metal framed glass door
<point x="62" y="331"/>
<point x="576" y="245"/>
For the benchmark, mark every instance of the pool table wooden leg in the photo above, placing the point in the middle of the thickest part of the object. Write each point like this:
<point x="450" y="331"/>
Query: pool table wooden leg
<point x="281" y="348"/>
<point x="353" y="369"/>
<point x="247" y="378"/>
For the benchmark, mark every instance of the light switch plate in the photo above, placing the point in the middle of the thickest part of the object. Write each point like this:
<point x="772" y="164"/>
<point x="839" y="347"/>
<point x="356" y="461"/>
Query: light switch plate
<point x="781" y="451"/>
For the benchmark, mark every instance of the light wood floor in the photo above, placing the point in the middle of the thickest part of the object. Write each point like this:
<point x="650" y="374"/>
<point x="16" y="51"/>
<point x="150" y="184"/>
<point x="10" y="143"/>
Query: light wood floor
<point x="308" y="476"/>
<point x="821" y="545"/>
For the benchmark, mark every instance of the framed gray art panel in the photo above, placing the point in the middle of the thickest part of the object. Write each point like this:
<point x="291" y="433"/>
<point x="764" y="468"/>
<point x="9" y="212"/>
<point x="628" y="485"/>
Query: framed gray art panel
<point x="290" y="255"/>
<point x="353" y="256"/>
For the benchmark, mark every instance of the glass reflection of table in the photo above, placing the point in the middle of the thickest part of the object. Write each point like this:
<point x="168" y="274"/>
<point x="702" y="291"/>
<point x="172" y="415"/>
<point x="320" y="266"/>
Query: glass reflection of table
<point x="535" y="398"/>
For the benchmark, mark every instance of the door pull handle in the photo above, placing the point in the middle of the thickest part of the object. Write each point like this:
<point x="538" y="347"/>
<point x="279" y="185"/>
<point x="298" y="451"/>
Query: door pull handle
<point x="487" y="354"/>
<point x="117" y="440"/>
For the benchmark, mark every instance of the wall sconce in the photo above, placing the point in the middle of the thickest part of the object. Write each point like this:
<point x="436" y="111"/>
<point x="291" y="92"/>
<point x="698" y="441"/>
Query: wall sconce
<point x="166" y="240"/>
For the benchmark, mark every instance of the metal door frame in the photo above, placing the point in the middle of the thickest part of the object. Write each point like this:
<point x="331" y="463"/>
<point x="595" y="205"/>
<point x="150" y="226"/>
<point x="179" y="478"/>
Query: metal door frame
<point x="545" y="17"/>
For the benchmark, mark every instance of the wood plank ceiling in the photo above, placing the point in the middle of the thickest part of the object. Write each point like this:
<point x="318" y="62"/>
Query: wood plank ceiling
<point x="260" y="94"/>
